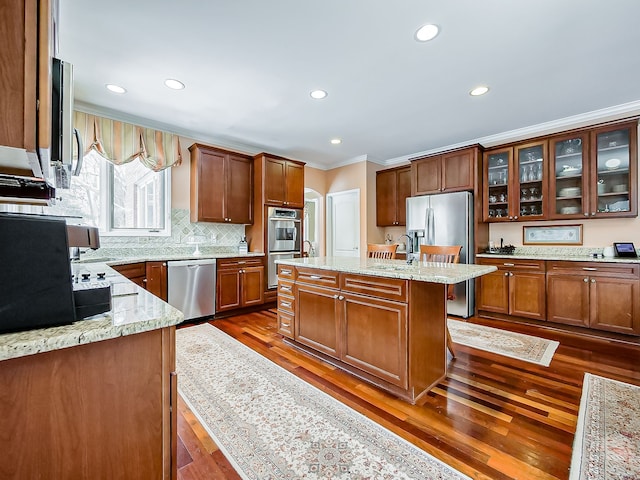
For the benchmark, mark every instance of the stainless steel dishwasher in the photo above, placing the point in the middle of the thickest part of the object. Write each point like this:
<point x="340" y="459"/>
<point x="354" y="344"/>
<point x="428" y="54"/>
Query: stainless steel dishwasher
<point x="192" y="287"/>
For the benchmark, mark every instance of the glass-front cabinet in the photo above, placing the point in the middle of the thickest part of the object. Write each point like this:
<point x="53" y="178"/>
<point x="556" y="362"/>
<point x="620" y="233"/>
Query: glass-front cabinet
<point x="568" y="173"/>
<point x="531" y="185"/>
<point x="498" y="165"/>
<point x="613" y="171"/>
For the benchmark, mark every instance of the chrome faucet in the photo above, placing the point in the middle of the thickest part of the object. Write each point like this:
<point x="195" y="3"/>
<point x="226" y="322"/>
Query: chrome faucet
<point x="409" y="247"/>
<point x="311" y="250"/>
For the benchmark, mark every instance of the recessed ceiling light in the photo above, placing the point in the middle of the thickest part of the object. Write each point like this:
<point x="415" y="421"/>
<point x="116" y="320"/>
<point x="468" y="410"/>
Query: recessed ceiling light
<point x="427" y="32"/>
<point x="336" y="141"/>
<point x="115" y="88"/>
<point x="318" y="94"/>
<point x="479" y="91"/>
<point x="174" y="84"/>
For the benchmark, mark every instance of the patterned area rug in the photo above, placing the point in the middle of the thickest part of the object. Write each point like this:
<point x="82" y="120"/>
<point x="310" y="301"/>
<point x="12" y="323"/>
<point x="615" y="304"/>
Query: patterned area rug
<point x="270" y="424"/>
<point x="510" y="344"/>
<point x="607" y="441"/>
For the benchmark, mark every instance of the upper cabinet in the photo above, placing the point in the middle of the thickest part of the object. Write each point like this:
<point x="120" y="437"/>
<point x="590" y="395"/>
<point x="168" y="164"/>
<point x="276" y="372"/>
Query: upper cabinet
<point x="25" y="90"/>
<point x="393" y="186"/>
<point x="586" y="173"/>
<point x="448" y="172"/>
<point x="282" y="181"/>
<point x="221" y="186"/>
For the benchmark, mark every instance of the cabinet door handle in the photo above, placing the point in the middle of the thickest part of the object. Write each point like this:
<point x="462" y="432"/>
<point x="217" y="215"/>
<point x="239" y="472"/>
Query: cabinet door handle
<point x="585" y="279"/>
<point x="506" y="274"/>
<point x="593" y="214"/>
<point x="515" y="217"/>
<point x="586" y="214"/>
<point x="593" y="280"/>
<point x="315" y="277"/>
<point x="285" y="272"/>
<point x="509" y="264"/>
<point x="340" y="297"/>
<point x="511" y="274"/>
<point x="144" y="280"/>
<point x="590" y="269"/>
<point x="335" y="297"/>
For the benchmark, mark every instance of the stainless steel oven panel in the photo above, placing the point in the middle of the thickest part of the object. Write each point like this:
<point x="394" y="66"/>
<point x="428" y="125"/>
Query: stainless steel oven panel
<point x="273" y="268"/>
<point x="283" y="230"/>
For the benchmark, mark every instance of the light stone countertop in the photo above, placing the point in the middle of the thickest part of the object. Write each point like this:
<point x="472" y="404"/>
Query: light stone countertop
<point x="421" y="271"/>
<point x="134" y="310"/>
<point x="559" y="257"/>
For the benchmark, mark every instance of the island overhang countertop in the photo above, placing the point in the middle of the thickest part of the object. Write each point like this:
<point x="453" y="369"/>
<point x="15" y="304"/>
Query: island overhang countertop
<point x="446" y="273"/>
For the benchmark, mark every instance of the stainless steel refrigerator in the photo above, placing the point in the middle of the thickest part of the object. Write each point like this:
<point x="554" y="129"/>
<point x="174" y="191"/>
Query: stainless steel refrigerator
<point x="445" y="219"/>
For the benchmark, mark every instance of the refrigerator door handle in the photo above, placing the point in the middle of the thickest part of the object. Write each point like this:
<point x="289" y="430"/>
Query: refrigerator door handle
<point x="431" y="227"/>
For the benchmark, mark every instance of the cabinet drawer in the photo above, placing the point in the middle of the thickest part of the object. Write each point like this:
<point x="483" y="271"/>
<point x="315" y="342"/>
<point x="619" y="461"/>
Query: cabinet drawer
<point x="286" y="272"/>
<point x="285" y="324"/>
<point x="515" y="264"/>
<point x="285" y="287"/>
<point x="316" y="276"/>
<point x="286" y="304"/>
<point x="238" y="262"/>
<point x="132" y="270"/>
<point x="387" y="288"/>
<point x="593" y="269"/>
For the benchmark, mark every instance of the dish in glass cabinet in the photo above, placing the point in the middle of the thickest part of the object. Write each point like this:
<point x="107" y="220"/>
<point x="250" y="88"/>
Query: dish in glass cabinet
<point x="570" y="170"/>
<point x="612" y="163"/>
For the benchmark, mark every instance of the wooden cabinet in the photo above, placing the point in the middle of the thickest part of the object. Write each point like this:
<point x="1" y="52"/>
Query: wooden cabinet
<point x="585" y="173"/>
<point x="393" y="186"/>
<point x="448" y="172"/>
<point x="221" y="186"/>
<point x="517" y="288"/>
<point x="239" y="283"/>
<point x="136" y="272"/>
<point x="282" y="182"/>
<point x="388" y="331"/>
<point x="25" y="91"/>
<point x="101" y="410"/>
<point x="595" y="295"/>
<point x="156" y="279"/>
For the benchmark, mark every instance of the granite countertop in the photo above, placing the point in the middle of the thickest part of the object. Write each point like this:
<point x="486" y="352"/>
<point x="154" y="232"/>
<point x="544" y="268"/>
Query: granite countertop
<point x="558" y="256"/>
<point x="134" y="310"/>
<point x="153" y="257"/>
<point x="421" y="271"/>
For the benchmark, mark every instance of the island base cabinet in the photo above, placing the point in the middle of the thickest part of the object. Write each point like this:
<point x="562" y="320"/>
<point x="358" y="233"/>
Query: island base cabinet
<point x="375" y="333"/>
<point x="101" y="410"/>
<point x="318" y="319"/>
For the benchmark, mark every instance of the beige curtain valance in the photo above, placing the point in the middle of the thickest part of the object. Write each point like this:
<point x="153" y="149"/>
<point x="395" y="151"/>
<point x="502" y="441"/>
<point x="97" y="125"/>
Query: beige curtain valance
<point x="120" y="142"/>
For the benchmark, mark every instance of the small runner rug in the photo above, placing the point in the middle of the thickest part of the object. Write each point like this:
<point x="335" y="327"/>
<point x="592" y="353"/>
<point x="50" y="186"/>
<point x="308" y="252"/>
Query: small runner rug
<point x="510" y="344"/>
<point x="607" y="441"/>
<point x="271" y="424"/>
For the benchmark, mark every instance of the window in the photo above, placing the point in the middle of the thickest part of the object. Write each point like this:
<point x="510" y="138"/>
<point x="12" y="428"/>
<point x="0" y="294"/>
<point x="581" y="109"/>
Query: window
<point x="123" y="200"/>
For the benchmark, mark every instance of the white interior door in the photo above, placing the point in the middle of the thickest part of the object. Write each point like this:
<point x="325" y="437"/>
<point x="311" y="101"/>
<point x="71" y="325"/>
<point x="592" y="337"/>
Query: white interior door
<point x="343" y="233"/>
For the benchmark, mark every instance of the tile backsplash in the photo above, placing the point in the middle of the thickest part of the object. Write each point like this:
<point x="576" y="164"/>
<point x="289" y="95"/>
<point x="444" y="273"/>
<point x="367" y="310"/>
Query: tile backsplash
<point x="212" y="238"/>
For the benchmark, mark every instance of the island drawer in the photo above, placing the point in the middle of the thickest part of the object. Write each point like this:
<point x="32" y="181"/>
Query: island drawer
<point x="388" y="288"/>
<point x="239" y="262"/>
<point x="285" y="324"/>
<point x="286" y="272"/>
<point x="286" y="304"/>
<point x="619" y="270"/>
<point x="285" y="287"/>
<point x="316" y="276"/>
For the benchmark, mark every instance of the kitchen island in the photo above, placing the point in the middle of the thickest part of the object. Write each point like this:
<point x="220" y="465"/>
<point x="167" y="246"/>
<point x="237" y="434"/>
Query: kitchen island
<point x="381" y="320"/>
<point x="96" y="398"/>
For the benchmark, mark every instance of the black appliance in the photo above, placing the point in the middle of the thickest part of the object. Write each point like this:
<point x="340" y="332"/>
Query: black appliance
<point x="35" y="278"/>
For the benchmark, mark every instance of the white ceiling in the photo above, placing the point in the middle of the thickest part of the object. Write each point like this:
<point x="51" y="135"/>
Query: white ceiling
<point x="249" y="66"/>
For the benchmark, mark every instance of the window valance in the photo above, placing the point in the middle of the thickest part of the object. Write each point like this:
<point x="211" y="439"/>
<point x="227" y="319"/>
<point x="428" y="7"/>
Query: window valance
<point x="120" y="142"/>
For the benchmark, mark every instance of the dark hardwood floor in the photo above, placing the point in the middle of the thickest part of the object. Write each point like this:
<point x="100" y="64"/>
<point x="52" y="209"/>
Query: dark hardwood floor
<point x="492" y="418"/>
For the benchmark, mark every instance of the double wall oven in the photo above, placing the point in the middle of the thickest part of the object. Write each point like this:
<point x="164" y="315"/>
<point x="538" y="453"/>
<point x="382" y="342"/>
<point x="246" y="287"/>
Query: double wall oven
<point x="283" y="238"/>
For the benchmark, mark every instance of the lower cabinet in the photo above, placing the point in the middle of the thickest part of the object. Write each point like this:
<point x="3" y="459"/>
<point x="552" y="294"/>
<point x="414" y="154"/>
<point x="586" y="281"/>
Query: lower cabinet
<point x="239" y="283"/>
<point x="517" y="288"/>
<point x="156" y="280"/>
<point x="101" y="410"/>
<point x="136" y="272"/>
<point x="363" y="322"/>
<point x="599" y="296"/>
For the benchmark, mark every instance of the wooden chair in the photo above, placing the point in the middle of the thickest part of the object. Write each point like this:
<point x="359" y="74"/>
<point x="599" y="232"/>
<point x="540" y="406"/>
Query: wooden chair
<point x="443" y="254"/>
<point x="375" y="250"/>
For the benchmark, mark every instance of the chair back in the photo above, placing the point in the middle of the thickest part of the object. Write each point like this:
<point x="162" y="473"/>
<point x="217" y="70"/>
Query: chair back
<point x="375" y="250"/>
<point x="440" y="253"/>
